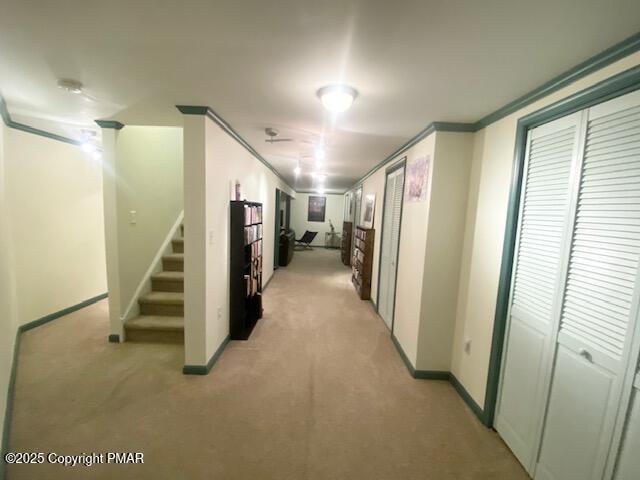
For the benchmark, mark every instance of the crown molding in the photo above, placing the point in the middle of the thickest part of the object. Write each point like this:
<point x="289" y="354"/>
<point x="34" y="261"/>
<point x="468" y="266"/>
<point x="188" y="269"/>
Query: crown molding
<point x="597" y="62"/>
<point x="228" y="129"/>
<point x="6" y="117"/>
<point x="424" y="133"/>
<point x="110" y="124"/>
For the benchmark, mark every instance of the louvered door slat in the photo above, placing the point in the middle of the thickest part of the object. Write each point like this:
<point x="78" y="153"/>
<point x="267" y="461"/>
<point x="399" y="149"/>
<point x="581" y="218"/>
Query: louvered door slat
<point x="539" y="270"/>
<point x="611" y="222"/>
<point x="599" y="307"/>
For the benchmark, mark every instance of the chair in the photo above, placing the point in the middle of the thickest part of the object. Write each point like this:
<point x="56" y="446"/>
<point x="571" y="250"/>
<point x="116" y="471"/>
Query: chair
<point x="305" y="241"/>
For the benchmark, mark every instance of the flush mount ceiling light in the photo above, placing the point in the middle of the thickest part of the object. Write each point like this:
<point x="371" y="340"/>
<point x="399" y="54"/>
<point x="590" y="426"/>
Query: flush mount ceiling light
<point x="71" y="86"/>
<point x="337" y="98"/>
<point x="297" y="170"/>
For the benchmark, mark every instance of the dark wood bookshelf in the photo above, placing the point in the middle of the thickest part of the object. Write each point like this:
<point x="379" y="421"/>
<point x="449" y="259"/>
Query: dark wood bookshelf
<point x="245" y="269"/>
<point x="347" y="233"/>
<point x="362" y="261"/>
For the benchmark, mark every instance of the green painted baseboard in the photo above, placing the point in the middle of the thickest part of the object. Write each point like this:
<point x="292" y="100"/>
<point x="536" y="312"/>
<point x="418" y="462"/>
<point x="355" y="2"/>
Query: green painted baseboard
<point x="205" y="369"/>
<point x="431" y="374"/>
<point x="6" y="431"/>
<point x="475" y="408"/>
<point x="442" y="375"/>
<point x="61" y="313"/>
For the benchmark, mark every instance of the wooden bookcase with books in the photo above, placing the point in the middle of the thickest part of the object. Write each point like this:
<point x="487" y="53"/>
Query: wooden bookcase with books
<point x="347" y="233"/>
<point x="362" y="261"/>
<point x="245" y="268"/>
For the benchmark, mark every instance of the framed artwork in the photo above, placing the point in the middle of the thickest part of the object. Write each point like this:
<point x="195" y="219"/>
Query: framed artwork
<point x="417" y="179"/>
<point x="317" y="207"/>
<point x="369" y="209"/>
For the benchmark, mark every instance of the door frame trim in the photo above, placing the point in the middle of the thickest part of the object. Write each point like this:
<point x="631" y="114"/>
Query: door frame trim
<point x="612" y="87"/>
<point x="276" y="242"/>
<point x="401" y="164"/>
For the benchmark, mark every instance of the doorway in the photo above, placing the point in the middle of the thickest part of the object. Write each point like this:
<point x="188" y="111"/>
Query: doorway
<point x="391" y="221"/>
<point x="282" y="222"/>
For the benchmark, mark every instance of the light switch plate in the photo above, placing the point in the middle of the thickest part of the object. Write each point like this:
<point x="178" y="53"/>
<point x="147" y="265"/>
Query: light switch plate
<point x="133" y="217"/>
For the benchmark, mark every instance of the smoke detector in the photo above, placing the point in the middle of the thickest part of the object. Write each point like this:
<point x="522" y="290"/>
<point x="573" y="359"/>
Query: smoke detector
<point x="71" y="86"/>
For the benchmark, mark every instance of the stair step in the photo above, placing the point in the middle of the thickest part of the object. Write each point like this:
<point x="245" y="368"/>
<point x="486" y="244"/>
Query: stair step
<point x="155" y="329"/>
<point x="167" y="282"/>
<point x="173" y="262"/>
<point x="178" y="245"/>
<point x="162" y="303"/>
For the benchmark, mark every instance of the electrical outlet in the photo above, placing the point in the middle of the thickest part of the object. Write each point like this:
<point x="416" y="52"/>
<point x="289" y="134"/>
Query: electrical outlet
<point x="467" y="346"/>
<point x="133" y="217"/>
<point x="210" y="237"/>
<point x="219" y="313"/>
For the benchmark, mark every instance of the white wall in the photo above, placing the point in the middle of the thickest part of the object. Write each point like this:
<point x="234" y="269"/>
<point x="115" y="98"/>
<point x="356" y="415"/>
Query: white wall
<point x="445" y="231"/>
<point x="8" y="322"/>
<point x="55" y="201"/>
<point x="51" y="234"/>
<point x="485" y="224"/>
<point x="144" y="173"/>
<point x="333" y="212"/>
<point x="429" y="251"/>
<point x="213" y="161"/>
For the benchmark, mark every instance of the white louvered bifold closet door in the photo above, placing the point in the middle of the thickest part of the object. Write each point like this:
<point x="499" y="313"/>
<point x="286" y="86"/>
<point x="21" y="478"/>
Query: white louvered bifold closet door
<point x="541" y="255"/>
<point x="390" y="244"/>
<point x="356" y="218"/>
<point x="600" y="299"/>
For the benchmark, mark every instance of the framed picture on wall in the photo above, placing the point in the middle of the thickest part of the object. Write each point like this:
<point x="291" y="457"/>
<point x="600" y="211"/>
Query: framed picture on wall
<point x="317" y="207"/>
<point x="369" y="208"/>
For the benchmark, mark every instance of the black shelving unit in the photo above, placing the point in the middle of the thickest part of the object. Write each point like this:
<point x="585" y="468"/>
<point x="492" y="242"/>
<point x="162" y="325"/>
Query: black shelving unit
<point x="245" y="268"/>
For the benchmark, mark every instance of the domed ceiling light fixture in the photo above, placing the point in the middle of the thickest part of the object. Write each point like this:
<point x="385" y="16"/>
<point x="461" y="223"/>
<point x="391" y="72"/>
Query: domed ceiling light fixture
<point x="337" y="98"/>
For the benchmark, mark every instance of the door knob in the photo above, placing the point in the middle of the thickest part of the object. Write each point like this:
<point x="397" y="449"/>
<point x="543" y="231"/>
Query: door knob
<point x="583" y="352"/>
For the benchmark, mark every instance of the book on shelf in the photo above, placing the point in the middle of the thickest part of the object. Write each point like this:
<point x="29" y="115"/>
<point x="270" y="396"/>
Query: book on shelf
<point x="252" y="215"/>
<point x="252" y="233"/>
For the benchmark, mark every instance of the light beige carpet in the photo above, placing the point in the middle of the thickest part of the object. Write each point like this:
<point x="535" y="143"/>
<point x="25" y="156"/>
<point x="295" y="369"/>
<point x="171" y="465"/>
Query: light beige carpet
<point x="317" y="392"/>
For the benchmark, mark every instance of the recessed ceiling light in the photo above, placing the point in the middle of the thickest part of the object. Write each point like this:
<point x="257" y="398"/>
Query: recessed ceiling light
<point x="297" y="170"/>
<point x="72" y="86"/>
<point x="337" y="98"/>
<point x="320" y="154"/>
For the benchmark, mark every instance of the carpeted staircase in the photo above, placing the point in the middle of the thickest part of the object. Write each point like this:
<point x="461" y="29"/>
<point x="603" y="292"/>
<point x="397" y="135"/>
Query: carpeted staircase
<point x="162" y="310"/>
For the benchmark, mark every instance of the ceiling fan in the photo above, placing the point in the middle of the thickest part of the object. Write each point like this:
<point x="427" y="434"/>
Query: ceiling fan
<point x="272" y="133"/>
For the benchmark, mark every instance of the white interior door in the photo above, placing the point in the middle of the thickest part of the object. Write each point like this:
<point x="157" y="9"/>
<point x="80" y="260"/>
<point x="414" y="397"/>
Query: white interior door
<point x="595" y="342"/>
<point x="539" y="267"/>
<point x="390" y="244"/>
<point x="356" y="217"/>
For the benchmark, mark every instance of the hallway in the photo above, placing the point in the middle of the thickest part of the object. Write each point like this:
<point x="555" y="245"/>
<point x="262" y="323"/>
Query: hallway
<point x="317" y="392"/>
